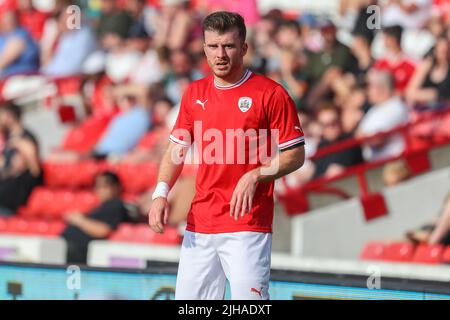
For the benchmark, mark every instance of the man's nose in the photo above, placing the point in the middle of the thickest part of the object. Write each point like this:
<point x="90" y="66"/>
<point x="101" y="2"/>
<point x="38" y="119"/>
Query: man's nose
<point x="221" y="52"/>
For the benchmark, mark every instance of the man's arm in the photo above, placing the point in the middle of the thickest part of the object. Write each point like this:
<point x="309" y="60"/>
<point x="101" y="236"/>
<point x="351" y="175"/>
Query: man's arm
<point x="442" y="226"/>
<point x="169" y="171"/>
<point x="284" y="163"/>
<point x="91" y="227"/>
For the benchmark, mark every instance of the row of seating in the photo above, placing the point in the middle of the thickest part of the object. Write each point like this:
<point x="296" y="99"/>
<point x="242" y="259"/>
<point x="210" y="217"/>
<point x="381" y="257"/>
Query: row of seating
<point x="30" y="227"/>
<point x="143" y="234"/>
<point x="54" y="203"/>
<point x="136" y="178"/>
<point x="406" y="252"/>
<point x="126" y="232"/>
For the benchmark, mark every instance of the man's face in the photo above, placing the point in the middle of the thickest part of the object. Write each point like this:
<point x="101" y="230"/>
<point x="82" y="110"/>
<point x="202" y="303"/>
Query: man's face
<point x="104" y="190"/>
<point x="224" y="52"/>
<point x="4" y="120"/>
<point x="376" y="91"/>
<point x="330" y="123"/>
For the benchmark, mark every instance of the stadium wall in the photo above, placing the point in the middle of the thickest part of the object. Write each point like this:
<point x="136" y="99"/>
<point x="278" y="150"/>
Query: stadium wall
<point x="340" y="231"/>
<point x="32" y="282"/>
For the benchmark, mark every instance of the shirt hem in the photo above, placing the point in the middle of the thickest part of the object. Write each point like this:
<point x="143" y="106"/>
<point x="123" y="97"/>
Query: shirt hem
<point x="228" y="230"/>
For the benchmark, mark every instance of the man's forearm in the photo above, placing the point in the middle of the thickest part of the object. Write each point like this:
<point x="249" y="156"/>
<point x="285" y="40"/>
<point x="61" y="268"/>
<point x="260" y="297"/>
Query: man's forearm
<point x="94" y="228"/>
<point x="172" y="164"/>
<point x="283" y="164"/>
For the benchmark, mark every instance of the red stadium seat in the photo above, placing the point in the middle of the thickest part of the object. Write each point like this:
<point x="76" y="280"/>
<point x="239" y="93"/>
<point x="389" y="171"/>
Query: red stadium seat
<point x="399" y="252"/>
<point x="70" y="175"/>
<point x="84" y="137"/>
<point x="446" y="255"/>
<point x="53" y="204"/>
<point x="46" y="228"/>
<point x="18" y="226"/>
<point x="33" y="227"/>
<point x="374" y="251"/>
<point x="142" y="233"/>
<point x="137" y="178"/>
<point x="430" y="254"/>
<point x="3" y="224"/>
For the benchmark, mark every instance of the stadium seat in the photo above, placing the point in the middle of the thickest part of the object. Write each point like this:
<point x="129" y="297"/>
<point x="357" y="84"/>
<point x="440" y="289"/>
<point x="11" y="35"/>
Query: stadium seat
<point x="17" y="225"/>
<point x="374" y="251"/>
<point x="84" y="137"/>
<point x="70" y="175"/>
<point x="141" y="233"/>
<point x="429" y="254"/>
<point x="3" y="224"/>
<point x="137" y="178"/>
<point x="399" y="252"/>
<point x="31" y="227"/>
<point x="446" y="255"/>
<point x="53" y="204"/>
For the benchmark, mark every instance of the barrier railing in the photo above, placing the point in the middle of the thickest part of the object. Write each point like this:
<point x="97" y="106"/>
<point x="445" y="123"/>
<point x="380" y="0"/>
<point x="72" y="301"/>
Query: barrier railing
<point x="295" y="199"/>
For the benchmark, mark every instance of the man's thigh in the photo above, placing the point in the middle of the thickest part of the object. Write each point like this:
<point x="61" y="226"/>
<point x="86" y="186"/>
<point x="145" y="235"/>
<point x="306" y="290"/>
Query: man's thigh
<point x="200" y="274"/>
<point x="245" y="257"/>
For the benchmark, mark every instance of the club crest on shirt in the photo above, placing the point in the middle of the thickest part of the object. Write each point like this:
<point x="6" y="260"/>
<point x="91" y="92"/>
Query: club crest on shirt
<point x="245" y="103"/>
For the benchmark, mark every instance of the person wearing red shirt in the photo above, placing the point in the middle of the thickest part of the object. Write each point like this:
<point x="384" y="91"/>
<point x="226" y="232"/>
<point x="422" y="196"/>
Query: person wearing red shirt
<point x="395" y="61"/>
<point x="231" y="116"/>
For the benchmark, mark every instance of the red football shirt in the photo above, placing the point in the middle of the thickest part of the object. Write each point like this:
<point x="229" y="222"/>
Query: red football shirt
<point x="224" y="123"/>
<point x="402" y="70"/>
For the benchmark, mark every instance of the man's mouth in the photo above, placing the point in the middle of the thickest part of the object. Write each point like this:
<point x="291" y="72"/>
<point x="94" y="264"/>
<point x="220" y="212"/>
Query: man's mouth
<point x="221" y="65"/>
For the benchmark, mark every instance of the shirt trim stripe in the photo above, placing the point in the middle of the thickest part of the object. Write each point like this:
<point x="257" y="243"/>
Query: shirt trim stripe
<point x="292" y="142"/>
<point x="178" y="141"/>
<point x="244" y="78"/>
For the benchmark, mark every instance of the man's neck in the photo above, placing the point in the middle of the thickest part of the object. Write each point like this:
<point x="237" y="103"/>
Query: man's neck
<point x="231" y="79"/>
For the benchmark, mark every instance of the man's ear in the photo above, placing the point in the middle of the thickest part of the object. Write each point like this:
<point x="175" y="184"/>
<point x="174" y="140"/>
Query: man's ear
<point x="244" y="48"/>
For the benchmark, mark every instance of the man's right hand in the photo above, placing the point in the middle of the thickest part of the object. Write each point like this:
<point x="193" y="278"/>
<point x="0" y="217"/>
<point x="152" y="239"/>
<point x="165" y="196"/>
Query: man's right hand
<point x="159" y="214"/>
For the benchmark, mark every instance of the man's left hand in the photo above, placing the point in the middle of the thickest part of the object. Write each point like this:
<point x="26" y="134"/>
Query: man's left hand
<point x="242" y="199"/>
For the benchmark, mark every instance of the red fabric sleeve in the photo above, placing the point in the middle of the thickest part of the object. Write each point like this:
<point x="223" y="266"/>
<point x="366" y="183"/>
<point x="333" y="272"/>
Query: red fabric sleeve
<point x="282" y="116"/>
<point x="182" y="132"/>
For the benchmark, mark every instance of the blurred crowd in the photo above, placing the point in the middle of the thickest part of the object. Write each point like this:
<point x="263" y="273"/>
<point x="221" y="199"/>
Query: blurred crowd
<point x="353" y="74"/>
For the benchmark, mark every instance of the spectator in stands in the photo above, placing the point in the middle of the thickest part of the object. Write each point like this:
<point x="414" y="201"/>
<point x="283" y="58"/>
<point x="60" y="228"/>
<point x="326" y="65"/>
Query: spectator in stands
<point x="20" y="169"/>
<point x="98" y="223"/>
<point x="19" y="54"/>
<point x="182" y="72"/>
<point x="289" y="61"/>
<point x="395" y="60"/>
<point x="430" y="85"/>
<point x="410" y="14"/>
<point x="327" y="65"/>
<point x="31" y="19"/>
<point x="334" y="163"/>
<point x="436" y="232"/>
<point x="387" y="112"/>
<point x="395" y="173"/>
<point x="152" y="146"/>
<point x="113" y="25"/>
<point x="71" y="48"/>
<point x="118" y="138"/>
<point x="175" y="26"/>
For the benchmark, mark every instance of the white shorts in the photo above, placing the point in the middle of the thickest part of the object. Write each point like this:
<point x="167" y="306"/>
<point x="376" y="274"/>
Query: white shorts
<point x="208" y="260"/>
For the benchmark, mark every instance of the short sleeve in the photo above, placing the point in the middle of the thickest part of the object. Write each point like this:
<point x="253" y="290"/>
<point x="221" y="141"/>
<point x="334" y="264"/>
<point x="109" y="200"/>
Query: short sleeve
<point x="111" y="213"/>
<point x="182" y="132"/>
<point x="282" y="117"/>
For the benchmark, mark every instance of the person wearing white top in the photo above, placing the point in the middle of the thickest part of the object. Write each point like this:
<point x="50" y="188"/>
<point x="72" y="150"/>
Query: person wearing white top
<point x="387" y="112"/>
